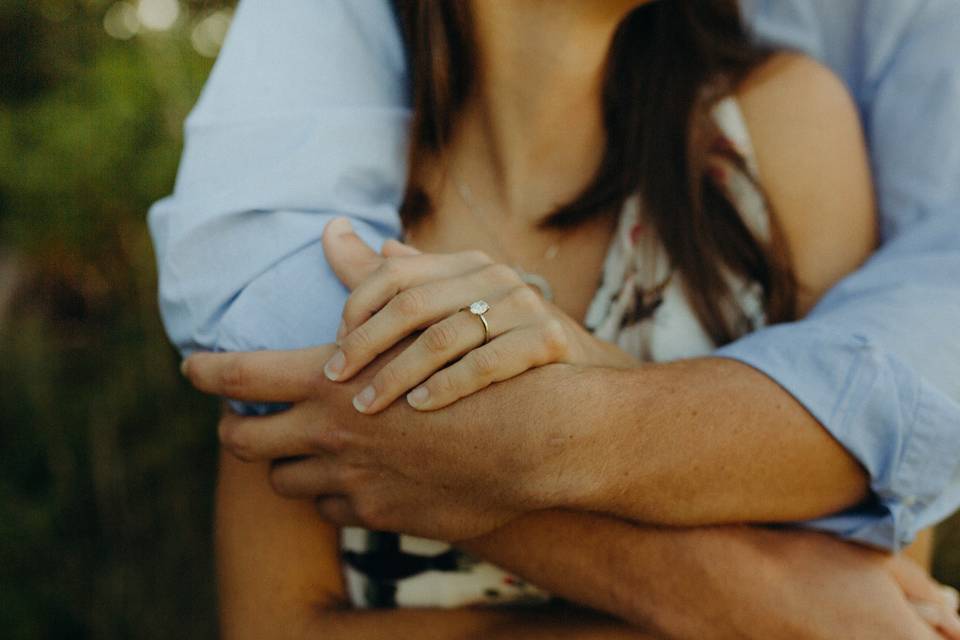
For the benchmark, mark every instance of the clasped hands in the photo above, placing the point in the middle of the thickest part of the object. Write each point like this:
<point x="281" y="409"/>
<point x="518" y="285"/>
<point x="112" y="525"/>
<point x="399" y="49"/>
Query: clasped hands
<point x="485" y="459"/>
<point x="370" y="461"/>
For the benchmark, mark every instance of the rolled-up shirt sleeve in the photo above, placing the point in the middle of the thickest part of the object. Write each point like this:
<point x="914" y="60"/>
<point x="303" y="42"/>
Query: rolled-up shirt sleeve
<point x="877" y="361"/>
<point x="303" y="119"/>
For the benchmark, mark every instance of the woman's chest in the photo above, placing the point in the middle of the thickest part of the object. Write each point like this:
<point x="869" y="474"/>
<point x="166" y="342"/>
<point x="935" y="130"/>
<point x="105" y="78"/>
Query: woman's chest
<point x="568" y="262"/>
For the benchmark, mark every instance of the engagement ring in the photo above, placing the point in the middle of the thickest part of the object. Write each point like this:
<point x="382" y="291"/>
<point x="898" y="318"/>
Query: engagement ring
<point x="479" y="308"/>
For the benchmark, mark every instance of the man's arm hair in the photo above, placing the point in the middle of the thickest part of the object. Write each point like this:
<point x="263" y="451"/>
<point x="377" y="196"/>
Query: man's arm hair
<point x="279" y="577"/>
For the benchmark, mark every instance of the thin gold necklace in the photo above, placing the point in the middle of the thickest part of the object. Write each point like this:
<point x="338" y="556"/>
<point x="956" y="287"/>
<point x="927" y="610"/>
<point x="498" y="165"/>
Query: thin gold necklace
<point x="529" y="277"/>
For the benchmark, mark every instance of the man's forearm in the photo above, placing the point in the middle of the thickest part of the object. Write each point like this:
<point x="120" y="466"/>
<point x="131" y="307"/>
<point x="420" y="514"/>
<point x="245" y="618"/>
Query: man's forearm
<point x="635" y="573"/>
<point x="702" y="441"/>
<point x="550" y="623"/>
<point x="715" y="582"/>
<point x="696" y="442"/>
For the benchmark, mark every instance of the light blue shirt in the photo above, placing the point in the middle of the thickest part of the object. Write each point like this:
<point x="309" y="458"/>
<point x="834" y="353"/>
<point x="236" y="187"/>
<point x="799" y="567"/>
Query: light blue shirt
<point x="304" y="118"/>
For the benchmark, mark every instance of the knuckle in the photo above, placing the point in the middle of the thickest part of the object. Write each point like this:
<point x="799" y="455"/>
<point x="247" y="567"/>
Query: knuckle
<point x="236" y="443"/>
<point x="388" y="378"/>
<point x="501" y="274"/>
<point x="351" y="310"/>
<point x="335" y="440"/>
<point x="440" y="338"/>
<point x="476" y="256"/>
<point x="225" y="435"/>
<point x="525" y="298"/>
<point x="441" y="386"/>
<point x="484" y="362"/>
<point x="335" y="510"/>
<point x="555" y="339"/>
<point x="338" y="437"/>
<point x="234" y="377"/>
<point x="317" y="439"/>
<point x="353" y="478"/>
<point x="391" y="269"/>
<point x="372" y="512"/>
<point x="279" y="481"/>
<point x="409" y="303"/>
<point x="359" y="342"/>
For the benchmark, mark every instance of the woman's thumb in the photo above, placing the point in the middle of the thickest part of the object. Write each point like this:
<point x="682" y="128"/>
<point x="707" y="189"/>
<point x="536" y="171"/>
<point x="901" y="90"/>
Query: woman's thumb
<point x="348" y="255"/>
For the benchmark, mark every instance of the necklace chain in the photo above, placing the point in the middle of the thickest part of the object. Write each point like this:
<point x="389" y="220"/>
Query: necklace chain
<point x="529" y="277"/>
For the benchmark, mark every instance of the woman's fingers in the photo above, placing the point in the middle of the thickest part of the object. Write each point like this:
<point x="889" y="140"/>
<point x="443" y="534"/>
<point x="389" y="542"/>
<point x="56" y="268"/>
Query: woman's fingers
<point x="442" y="342"/>
<point x="503" y="358"/>
<point x="463" y="333"/>
<point x="402" y="273"/>
<point x="410" y="310"/>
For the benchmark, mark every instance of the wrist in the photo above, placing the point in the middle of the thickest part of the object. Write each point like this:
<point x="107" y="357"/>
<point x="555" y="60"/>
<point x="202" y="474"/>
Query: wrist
<point x="579" y="439"/>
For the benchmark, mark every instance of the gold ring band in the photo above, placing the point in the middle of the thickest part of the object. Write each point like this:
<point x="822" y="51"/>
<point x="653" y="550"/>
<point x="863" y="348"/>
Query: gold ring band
<point x="486" y="328"/>
<point x="479" y="308"/>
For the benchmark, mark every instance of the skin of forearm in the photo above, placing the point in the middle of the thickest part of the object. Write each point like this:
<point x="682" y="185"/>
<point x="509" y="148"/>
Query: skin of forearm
<point x="688" y="443"/>
<point x="278" y="576"/>
<point x="598" y="561"/>
<point x="707" y="582"/>
<point x="547" y="623"/>
<point x="698" y="442"/>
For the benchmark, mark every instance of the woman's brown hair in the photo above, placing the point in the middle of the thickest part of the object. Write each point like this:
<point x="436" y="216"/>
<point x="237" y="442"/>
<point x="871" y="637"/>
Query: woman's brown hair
<point x="669" y="63"/>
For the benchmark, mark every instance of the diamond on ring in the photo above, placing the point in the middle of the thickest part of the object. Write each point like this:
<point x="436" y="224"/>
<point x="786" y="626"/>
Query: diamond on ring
<point x="479" y="307"/>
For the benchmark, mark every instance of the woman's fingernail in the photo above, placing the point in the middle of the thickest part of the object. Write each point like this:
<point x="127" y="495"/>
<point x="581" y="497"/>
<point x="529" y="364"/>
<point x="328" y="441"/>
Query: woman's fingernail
<point x="364" y="399"/>
<point x="341" y="331"/>
<point x="418" y="397"/>
<point x="184" y="366"/>
<point x="335" y="365"/>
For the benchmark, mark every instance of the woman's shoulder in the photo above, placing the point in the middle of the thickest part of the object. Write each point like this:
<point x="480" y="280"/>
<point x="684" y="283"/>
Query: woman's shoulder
<point x="812" y="163"/>
<point x="795" y="106"/>
<point x="787" y="75"/>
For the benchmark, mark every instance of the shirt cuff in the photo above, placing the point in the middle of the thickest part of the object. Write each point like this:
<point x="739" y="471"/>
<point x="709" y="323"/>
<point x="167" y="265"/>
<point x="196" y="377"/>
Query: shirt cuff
<point x="295" y="304"/>
<point x="881" y="411"/>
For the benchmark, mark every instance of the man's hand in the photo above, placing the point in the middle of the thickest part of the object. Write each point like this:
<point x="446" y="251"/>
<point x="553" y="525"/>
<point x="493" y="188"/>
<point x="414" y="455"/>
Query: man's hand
<point x="447" y="475"/>
<point x="723" y="582"/>
<point x="801" y="584"/>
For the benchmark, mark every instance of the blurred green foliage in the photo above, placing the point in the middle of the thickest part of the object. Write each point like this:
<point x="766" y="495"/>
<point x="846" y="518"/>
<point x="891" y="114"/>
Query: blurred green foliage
<point x="106" y="457"/>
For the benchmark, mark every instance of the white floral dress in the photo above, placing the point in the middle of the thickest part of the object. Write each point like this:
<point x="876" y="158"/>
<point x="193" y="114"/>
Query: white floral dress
<point x="641" y="306"/>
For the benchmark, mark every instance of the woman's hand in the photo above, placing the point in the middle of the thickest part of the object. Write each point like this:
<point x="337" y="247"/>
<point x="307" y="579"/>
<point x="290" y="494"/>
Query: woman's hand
<point x="458" y="353"/>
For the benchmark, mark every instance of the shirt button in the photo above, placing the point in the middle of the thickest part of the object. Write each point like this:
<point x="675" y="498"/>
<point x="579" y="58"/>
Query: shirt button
<point x="910" y="501"/>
